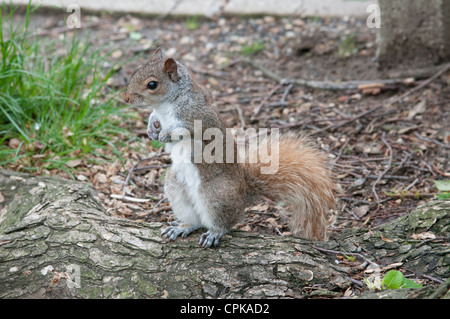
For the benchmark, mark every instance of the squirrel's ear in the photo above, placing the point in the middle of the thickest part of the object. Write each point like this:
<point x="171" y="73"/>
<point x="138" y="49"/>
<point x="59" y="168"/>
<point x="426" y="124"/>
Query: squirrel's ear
<point x="157" y="55"/>
<point x="170" y="68"/>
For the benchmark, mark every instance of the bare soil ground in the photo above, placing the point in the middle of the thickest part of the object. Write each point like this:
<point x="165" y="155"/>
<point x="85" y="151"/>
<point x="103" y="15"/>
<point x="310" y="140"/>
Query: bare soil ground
<point x="386" y="160"/>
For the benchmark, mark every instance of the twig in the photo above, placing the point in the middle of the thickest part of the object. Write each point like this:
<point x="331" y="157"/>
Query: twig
<point x="384" y="172"/>
<point x="341" y="150"/>
<point x="335" y="126"/>
<point x="157" y="210"/>
<point x="412" y="184"/>
<point x="402" y="178"/>
<point x="130" y="172"/>
<point x="440" y="281"/>
<point x="130" y="199"/>
<point x="441" y="238"/>
<point x="283" y="101"/>
<point x="440" y="172"/>
<point x="258" y="109"/>
<point x="430" y="140"/>
<point x="402" y="163"/>
<point x="444" y="69"/>
<point x="279" y="232"/>
<point x="350" y="199"/>
<point x="343" y="253"/>
<point x="356" y="282"/>
<point x="146" y="168"/>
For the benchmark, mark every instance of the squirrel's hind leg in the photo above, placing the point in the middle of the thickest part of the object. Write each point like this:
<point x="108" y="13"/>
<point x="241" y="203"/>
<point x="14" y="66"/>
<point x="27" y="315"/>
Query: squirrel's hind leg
<point x="183" y="208"/>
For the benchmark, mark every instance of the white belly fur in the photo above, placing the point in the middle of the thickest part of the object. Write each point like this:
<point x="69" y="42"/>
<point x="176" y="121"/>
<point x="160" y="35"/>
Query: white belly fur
<point x="193" y="210"/>
<point x="188" y="174"/>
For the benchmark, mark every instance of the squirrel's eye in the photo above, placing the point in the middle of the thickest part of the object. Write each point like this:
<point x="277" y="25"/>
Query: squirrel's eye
<point x="152" y="85"/>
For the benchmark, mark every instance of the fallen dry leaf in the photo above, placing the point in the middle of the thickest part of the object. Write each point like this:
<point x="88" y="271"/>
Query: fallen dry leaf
<point x="14" y="143"/>
<point x="386" y="240"/>
<point x="419" y="108"/>
<point x="371" y="88"/>
<point x="362" y="210"/>
<point x="422" y="236"/>
<point x="272" y="221"/>
<point x="73" y="163"/>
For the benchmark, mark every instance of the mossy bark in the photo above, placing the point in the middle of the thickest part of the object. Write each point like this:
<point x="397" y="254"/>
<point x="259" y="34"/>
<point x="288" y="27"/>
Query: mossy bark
<point x="54" y="222"/>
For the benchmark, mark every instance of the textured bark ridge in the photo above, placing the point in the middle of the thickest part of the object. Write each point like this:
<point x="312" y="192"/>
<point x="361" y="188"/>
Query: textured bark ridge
<point x="56" y="241"/>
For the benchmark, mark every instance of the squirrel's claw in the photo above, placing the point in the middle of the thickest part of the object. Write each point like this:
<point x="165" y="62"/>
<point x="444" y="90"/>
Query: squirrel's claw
<point x="172" y="232"/>
<point x="209" y="239"/>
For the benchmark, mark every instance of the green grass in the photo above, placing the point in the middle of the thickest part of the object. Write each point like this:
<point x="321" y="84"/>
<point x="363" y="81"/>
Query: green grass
<point x="192" y="23"/>
<point x="252" y="48"/>
<point x="347" y="47"/>
<point x="54" y="97"/>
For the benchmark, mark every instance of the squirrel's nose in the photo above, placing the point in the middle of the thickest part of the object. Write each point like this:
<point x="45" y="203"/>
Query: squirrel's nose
<point x="127" y="98"/>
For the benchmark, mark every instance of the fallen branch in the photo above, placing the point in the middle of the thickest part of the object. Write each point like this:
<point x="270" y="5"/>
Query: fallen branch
<point x="391" y="101"/>
<point x="326" y="85"/>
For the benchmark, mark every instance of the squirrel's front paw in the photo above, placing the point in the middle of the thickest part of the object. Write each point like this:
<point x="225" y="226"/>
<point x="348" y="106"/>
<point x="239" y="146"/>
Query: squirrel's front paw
<point x="165" y="136"/>
<point x="153" y="130"/>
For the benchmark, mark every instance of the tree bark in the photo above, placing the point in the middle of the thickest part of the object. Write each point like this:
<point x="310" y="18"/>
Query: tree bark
<point x="413" y="34"/>
<point x="59" y="223"/>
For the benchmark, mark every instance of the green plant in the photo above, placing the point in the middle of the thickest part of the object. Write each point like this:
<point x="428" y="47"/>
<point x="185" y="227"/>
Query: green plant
<point x="444" y="188"/>
<point x="157" y="144"/>
<point x="253" y="48"/>
<point x="394" y="279"/>
<point x="54" y="99"/>
<point x="401" y="192"/>
<point x="347" y="47"/>
<point x="349" y="257"/>
<point x="192" y="23"/>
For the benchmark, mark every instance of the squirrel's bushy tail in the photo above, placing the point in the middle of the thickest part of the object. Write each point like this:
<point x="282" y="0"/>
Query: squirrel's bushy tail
<point x="302" y="181"/>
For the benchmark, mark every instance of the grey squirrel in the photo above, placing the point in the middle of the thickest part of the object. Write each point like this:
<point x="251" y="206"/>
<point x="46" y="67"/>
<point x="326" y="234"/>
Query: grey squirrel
<point x="214" y="194"/>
